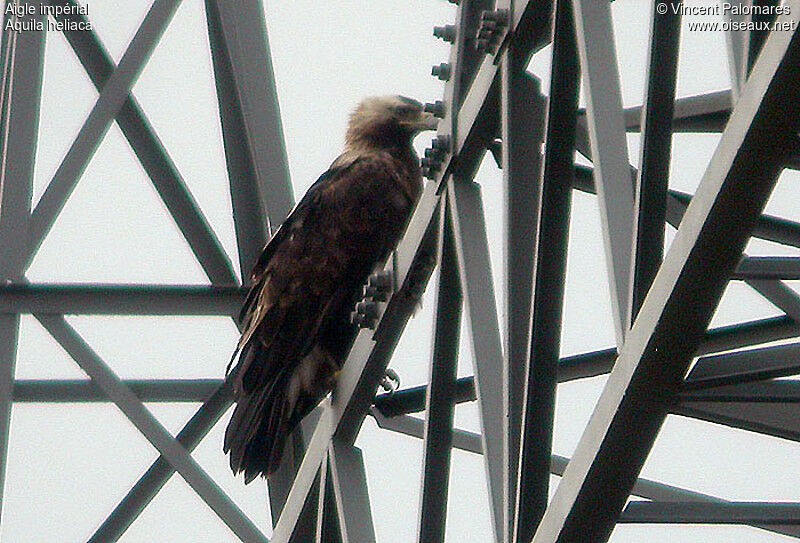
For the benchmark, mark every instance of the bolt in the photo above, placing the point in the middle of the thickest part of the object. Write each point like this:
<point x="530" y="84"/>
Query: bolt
<point x="365" y="314"/>
<point x="446" y="33"/>
<point x="441" y="143"/>
<point x="442" y="71"/>
<point x="379" y="286"/>
<point x="499" y="15"/>
<point x="490" y="30"/>
<point x="437" y="108"/>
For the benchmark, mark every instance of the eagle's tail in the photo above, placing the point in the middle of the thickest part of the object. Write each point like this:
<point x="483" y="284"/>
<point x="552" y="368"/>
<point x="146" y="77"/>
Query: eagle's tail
<point x="256" y="434"/>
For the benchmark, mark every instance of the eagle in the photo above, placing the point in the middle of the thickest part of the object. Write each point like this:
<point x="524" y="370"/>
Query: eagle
<point x="295" y="321"/>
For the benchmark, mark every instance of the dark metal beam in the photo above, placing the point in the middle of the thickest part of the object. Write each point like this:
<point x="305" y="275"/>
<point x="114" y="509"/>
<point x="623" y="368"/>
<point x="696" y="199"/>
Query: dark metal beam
<point x="670" y="326"/>
<point x="609" y="149"/>
<point x="348" y="480"/>
<point x="744" y="366"/>
<point x="592" y="364"/>
<point x="79" y="299"/>
<point x="440" y="394"/>
<point x="550" y="261"/>
<point x="771" y="267"/>
<point x="774" y="391"/>
<point x="162" y="390"/>
<point x="756" y="513"/>
<point x="768" y="227"/>
<point x="773" y="419"/>
<point x="655" y="150"/>
<point x="480" y="309"/>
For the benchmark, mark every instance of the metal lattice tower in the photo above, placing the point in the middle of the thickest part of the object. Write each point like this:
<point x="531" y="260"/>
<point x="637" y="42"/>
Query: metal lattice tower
<point x="666" y="360"/>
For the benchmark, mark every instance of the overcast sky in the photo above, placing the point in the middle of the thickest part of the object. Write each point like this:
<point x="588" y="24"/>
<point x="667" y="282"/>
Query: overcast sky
<point x="70" y="464"/>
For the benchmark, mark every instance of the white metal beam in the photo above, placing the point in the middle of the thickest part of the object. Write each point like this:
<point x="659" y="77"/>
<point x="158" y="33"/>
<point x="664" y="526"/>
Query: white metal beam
<point x="149" y="426"/>
<point x="483" y="328"/>
<point x="595" y="33"/>
<point x="108" y="104"/>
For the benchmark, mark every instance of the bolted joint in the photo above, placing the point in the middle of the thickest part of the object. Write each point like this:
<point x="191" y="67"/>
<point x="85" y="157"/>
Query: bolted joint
<point x="365" y="314"/>
<point x="441" y="143"/>
<point x="446" y="33"/>
<point x="437" y="108"/>
<point x="379" y="286"/>
<point x="442" y="71"/>
<point x="490" y="31"/>
<point x="499" y="16"/>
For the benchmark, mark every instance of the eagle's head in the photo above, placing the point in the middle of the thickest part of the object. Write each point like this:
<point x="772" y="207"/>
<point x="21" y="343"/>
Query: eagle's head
<point x="388" y="120"/>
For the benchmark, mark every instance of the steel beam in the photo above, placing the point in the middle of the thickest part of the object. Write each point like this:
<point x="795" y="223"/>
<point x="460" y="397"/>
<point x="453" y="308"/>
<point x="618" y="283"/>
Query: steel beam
<point x="484" y="335"/>
<point x="80" y="390"/>
<point x="349" y="483"/>
<point x="670" y="325"/>
<point x="551" y="237"/>
<point x="75" y="299"/>
<point x="700" y="113"/>
<point x="773" y="391"/>
<point x="115" y="91"/>
<point x="146" y="488"/>
<point x="522" y="119"/>
<point x="149" y="426"/>
<point x="652" y="181"/>
<point x="592" y="364"/>
<point x="737" y="46"/>
<point x="774" y="267"/>
<point x="22" y="56"/>
<point x="327" y="528"/>
<point x="760" y="513"/>
<point x="645" y="488"/>
<point x="609" y="149"/>
<point x="744" y="366"/>
<point x="258" y="169"/>
<point x="777" y="292"/>
<point x="768" y="227"/>
<point x="440" y="392"/>
<point x="773" y="419"/>
<point x="151" y="154"/>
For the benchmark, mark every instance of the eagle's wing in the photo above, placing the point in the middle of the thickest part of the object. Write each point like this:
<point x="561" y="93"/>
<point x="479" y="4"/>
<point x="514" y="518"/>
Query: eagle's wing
<point x="305" y="283"/>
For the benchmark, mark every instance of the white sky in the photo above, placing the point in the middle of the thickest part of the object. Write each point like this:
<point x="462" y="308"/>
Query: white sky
<point x="70" y="464"/>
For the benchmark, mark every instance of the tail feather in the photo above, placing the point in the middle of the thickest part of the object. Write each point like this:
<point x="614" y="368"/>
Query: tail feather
<point x="256" y="434"/>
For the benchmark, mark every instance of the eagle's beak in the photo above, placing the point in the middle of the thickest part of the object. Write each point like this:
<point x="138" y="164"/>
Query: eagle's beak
<point x="428" y="121"/>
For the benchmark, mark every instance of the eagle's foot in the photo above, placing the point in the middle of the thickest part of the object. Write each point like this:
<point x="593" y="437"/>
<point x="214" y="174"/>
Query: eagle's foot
<point x="390" y="381"/>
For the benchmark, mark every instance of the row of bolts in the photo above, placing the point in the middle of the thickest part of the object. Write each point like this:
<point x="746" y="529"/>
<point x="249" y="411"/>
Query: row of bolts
<point x="380" y="284"/>
<point x="487" y="41"/>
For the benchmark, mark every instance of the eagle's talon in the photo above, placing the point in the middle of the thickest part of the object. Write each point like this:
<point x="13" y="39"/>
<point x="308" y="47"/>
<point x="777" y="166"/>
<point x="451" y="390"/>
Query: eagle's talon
<point x="390" y="381"/>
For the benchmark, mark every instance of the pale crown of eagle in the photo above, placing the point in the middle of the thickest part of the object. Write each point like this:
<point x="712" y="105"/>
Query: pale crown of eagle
<point x="296" y="329"/>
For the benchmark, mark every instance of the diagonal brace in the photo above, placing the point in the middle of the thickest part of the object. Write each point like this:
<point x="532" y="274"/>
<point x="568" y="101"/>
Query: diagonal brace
<point x="108" y="104"/>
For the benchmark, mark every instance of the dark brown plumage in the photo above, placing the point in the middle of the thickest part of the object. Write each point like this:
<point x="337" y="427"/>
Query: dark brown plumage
<point x="296" y="327"/>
